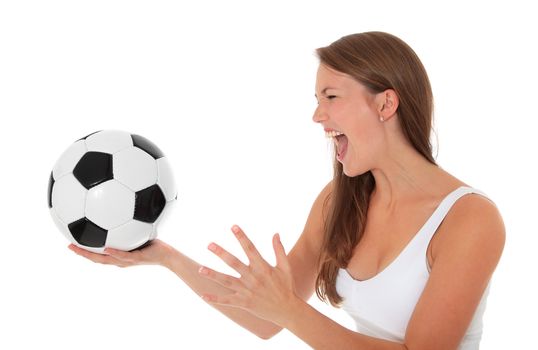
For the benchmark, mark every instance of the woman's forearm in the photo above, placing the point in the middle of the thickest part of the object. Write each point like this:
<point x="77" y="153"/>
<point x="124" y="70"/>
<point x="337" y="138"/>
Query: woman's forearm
<point x="322" y="333"/>
<point x="188" y="271"/>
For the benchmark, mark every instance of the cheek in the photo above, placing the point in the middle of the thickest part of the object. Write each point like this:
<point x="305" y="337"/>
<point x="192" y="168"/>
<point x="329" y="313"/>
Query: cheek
<point x="360" y="123"/>
<point x="363" y="124"/>
<point x="358" y="113"/>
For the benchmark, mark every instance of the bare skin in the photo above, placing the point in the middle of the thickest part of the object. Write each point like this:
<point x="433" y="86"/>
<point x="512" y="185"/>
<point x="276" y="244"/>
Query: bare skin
<point x="265" y="298"/>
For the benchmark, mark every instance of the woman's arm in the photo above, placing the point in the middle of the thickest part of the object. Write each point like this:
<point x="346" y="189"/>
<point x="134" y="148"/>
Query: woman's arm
<point x="188" y="271"/>
<point x="160" y="253"/>
<point x="322" y="333"/>
<point x="463" y="265"/>
<point x="467" y="251"/>
<point x="269" y="293"/>
<point x="303" y="259"/>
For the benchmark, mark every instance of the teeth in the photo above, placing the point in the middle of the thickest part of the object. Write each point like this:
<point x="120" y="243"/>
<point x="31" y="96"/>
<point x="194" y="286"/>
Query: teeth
<point x="333" y="133"/>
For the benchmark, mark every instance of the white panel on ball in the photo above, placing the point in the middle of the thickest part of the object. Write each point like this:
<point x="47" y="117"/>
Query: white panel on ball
<point x="129" y="236"/>
<point x="135" y="168"/>
<point x="69" y="159"/>
<point x="109" y="141"/>
<point x="166" y="179"/>
<point x="110" y="204"/>
<point x="62" y="226"/>
<point x="69" y="198"/>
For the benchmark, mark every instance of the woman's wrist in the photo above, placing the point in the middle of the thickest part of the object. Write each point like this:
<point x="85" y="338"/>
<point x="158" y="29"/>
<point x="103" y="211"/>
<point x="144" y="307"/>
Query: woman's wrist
<point x="169" y="258"/>
<point x="294" y="310"/>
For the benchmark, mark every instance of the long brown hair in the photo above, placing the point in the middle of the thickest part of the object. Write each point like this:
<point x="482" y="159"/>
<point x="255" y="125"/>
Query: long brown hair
<point x="379" y="61"/>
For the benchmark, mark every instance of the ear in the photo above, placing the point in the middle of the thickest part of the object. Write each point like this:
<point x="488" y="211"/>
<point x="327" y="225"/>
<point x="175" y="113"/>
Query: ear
<point x="387" y="103"/>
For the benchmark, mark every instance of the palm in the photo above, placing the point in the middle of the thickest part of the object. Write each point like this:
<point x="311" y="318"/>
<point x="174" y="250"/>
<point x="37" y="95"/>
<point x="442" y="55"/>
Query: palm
<point x="156" y="252"/>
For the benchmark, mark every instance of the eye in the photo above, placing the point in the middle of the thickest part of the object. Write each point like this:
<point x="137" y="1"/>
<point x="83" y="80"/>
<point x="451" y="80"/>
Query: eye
<point x="330" y="97"/>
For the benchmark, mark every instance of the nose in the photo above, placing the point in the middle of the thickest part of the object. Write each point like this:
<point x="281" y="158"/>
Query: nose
<point x="319" y="115"/>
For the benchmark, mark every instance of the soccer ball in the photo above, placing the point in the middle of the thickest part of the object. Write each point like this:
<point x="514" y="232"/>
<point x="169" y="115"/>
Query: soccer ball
<point x="110" y="189"/>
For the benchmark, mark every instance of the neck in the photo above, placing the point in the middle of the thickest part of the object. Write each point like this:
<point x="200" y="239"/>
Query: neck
<point x="404" y="178"/>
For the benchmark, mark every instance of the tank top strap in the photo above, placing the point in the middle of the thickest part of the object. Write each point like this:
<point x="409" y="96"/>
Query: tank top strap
<point x="442" y="210"/>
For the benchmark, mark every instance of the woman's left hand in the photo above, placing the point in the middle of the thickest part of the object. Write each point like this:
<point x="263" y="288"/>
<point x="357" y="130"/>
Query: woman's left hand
<point x="264" y="290"/>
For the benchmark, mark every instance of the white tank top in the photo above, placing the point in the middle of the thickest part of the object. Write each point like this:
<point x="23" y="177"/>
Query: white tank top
<point x="382" y="305"/>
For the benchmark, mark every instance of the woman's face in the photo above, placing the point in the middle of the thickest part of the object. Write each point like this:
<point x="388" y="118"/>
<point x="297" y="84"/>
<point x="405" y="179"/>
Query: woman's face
<point x="349" y="115"/>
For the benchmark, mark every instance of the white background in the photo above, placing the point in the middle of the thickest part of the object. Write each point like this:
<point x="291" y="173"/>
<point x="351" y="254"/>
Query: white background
<point x="226" y="89"/>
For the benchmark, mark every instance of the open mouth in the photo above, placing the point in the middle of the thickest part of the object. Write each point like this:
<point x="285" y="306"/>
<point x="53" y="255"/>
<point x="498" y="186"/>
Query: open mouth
<point x="340" y="141"/>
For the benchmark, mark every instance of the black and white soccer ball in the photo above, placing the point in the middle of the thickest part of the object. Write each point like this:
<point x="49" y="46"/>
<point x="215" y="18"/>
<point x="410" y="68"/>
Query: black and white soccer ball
<point x="111" y="189"/>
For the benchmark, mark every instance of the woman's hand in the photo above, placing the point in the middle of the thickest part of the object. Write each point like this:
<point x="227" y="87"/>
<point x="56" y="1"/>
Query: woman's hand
<point x="264" y="290"/>
<point x="155" y="253"/>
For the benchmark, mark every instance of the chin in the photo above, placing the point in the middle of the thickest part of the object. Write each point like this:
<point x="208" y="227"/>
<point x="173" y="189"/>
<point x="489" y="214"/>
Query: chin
<point x="353" y="172"/>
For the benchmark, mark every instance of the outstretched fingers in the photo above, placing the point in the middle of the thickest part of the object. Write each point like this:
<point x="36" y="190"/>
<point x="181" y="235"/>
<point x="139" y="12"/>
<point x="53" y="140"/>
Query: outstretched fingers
<point x="249" y="248"/>
<point x="228" y="258"/>
<point x="280" y="254"/>
<point x="224" y="280"/>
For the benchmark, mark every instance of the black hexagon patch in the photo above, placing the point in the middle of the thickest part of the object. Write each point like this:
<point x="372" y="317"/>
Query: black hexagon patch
<point x="87" y="233"/>
<point x="149" y="203"/>
<point x="93" y="168"/>
<point x="147" y="146"/>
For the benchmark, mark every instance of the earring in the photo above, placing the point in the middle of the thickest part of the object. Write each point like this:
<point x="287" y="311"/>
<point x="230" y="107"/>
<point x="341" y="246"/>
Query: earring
<point x="381" y="119"/>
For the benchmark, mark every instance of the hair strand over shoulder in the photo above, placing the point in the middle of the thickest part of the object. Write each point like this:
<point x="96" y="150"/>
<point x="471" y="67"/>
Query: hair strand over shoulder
<point x="379" y="61"/>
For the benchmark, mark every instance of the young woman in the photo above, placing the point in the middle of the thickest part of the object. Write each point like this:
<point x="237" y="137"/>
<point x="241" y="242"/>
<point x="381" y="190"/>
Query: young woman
<point x="399" y="243"/>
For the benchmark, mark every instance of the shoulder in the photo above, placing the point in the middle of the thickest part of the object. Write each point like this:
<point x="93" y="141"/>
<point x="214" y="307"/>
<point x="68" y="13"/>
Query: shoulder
<point x="476" y="214"/>
<point x="473" y="225"/>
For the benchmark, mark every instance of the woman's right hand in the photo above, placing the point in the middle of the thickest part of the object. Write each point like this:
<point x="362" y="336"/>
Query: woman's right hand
<point x="155" y="253"/>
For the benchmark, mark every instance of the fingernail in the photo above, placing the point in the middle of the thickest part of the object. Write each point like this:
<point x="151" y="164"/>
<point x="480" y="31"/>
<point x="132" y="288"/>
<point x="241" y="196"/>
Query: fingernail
<point x="212" y="247"/>
<point x="235" y="229"/>
<point x="208" y="298"/>
<point x="203" y="271"/>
